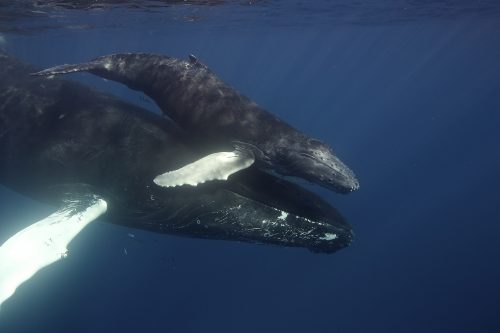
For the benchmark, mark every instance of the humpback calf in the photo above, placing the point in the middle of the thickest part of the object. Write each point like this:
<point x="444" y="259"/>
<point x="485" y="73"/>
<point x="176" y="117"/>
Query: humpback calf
<point x="218" y="117"/>
<point x="93" y="155"/>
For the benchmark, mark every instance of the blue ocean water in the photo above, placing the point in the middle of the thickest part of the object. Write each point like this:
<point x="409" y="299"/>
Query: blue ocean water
<point x="407" y="93"/>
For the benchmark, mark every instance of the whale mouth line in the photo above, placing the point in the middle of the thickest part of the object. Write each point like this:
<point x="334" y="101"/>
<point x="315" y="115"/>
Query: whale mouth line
<point x="315" y="159"/>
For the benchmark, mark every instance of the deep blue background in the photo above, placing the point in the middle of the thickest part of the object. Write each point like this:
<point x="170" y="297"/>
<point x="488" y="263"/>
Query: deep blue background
<point x="412" y="107"/>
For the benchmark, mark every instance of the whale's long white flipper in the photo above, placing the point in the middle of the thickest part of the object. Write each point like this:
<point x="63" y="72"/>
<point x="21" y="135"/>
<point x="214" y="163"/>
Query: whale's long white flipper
<point x="44" y="242"/>
<point x="216" y="166"/>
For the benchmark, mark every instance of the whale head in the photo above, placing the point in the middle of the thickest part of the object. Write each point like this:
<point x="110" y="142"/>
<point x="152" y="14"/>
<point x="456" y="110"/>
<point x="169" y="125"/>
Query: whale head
<point x="316" y="162"/>
<point x="252" y="206"/>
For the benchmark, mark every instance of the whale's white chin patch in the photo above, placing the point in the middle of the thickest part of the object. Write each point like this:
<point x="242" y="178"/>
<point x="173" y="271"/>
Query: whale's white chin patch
<point x="43" y="243"/>
<point x="218" y="166"/>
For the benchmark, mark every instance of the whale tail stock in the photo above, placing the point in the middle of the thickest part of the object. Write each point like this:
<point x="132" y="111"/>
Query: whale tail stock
<point x="71" y="68"/>
<point x="115" y="67"/>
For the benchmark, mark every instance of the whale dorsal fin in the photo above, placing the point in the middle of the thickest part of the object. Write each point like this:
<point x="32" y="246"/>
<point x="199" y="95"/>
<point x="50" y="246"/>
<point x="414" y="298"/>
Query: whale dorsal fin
<point x="217" y="166"/>
<point x="45" y="241"/>
<point x="192" y="59"/>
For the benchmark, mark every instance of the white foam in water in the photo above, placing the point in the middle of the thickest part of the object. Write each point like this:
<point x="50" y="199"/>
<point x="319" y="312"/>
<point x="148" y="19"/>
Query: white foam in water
<point x="2" y="40"/>
<point x="41" y="244"/>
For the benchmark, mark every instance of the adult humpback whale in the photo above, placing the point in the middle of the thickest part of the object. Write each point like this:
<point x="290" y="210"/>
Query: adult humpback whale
<point x="64" y="144"/>
<point x="220" y="117"/>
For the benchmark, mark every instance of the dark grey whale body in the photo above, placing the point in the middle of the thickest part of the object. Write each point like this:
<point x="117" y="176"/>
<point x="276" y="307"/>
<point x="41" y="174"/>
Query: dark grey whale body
<point x="58" y="137"/>
<point x="217" y="116"/>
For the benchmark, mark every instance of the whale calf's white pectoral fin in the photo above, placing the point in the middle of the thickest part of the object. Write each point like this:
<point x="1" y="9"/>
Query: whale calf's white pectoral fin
<point x="44" y="242"/>
<point x="218" y="166"/>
